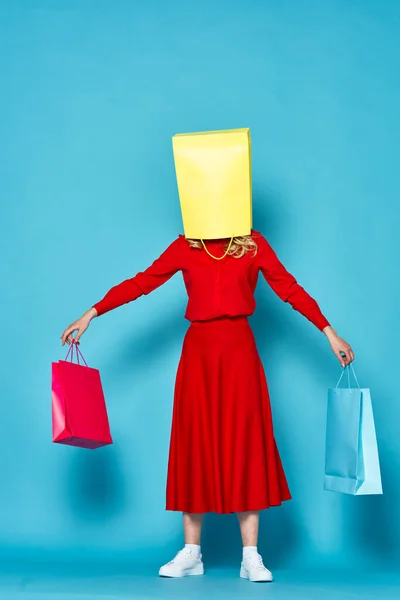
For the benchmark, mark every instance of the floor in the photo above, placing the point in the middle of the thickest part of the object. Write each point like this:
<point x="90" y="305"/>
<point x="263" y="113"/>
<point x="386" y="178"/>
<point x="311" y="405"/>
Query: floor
<point x="217" y="583"/>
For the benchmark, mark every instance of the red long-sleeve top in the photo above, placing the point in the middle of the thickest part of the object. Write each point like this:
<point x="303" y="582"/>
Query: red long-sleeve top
<point x="217" y="288"/>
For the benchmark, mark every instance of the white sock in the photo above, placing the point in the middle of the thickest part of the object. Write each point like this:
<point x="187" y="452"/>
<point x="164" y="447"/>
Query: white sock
<point x="195" y="548"/>
<point x="249" y="551"/>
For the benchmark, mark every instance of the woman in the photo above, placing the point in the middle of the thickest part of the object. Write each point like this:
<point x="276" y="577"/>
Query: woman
<point x="223" y="456"/>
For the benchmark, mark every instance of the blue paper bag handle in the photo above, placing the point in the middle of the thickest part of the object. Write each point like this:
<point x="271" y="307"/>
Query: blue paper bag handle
<point x="348" y="375"/>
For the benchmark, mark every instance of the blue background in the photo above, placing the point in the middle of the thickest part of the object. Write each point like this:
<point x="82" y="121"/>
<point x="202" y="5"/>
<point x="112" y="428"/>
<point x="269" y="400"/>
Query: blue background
<point x="92" y="92"/>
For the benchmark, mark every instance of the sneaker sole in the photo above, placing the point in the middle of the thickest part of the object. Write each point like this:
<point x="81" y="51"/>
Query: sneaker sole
<point x="244" y="575"/>
<point x="195" y="571"/>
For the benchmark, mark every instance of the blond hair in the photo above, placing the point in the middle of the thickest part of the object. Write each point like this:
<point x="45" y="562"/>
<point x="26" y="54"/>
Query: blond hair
<point x="239" y="247"/>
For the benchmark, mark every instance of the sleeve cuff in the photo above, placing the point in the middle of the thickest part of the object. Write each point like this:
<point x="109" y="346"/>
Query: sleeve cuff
<point x="100" y="308"/>
<point x="322" y="322"/>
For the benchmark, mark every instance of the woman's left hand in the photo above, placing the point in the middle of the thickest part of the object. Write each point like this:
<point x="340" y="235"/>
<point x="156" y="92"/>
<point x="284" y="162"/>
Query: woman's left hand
<point x="339" y="346"/>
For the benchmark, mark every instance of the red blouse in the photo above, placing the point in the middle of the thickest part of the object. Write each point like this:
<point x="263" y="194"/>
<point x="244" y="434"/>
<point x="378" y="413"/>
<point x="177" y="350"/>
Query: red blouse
<point x="217" y="288"/>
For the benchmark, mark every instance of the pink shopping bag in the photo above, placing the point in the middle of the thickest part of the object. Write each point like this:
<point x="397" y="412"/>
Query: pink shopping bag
<point x="79" y="412"/>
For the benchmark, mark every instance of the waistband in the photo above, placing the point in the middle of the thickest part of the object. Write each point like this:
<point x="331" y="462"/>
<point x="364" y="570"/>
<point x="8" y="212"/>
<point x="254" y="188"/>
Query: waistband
<point x="225" y="330"/>
<point x="221" y="323"/>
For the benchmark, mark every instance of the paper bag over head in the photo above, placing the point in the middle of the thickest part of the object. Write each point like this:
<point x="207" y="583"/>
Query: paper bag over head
<point x="213" y="171"/>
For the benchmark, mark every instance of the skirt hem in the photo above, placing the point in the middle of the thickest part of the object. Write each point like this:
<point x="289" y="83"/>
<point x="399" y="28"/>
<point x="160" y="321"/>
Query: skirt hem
<point x="229" y="512"/>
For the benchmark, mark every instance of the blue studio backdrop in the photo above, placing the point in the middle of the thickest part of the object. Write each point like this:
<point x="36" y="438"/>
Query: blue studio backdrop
<point x="92" y="92"/>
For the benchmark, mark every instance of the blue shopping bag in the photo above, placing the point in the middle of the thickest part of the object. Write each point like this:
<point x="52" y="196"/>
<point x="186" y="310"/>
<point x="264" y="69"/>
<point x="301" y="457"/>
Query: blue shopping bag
<point x="351" y="453"/>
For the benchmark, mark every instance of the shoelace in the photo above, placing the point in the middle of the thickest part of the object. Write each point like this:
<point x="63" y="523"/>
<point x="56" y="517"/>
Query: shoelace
<point x="257" y="562"/>
<point x="181" y="556"/>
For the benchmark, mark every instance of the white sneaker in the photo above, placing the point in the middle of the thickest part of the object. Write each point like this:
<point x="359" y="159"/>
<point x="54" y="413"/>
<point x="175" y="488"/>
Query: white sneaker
<point x="252" y="568"/>
<point x="184" y="563"/>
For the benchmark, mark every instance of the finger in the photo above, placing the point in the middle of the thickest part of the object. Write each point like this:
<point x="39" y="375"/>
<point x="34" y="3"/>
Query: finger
<point x="346" y="358"/>
<point x="340" y="358"/>
<point x="66" y="333"/>
<point x="70" y="332"/>
<point x="349" y="355"/>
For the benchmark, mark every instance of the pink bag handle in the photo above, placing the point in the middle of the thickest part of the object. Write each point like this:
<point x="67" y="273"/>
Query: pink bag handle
<point x="69" y="350"/>
<point x="78" y="352"/>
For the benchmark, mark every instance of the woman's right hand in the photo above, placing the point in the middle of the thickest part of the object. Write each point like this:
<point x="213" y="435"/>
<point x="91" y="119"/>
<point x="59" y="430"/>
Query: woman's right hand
<point x="80" y="325"/>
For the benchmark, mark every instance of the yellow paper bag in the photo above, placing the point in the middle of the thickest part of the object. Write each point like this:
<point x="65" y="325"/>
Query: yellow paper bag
<point x="213" y="170"/>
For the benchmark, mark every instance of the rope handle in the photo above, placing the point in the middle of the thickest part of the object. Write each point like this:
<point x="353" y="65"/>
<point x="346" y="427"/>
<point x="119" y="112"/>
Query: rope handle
<point x="78" y="353"/>
<point x="218" y="257"/>
<point x="348" y="376"/>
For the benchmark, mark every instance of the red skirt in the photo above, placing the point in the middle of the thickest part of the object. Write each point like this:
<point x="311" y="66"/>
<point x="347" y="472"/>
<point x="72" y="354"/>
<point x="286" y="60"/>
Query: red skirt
<point x="223" y="456"/>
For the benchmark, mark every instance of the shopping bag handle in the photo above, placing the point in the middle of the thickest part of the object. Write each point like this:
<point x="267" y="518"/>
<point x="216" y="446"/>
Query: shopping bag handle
<point x="78" y="352"/>
<point x="348" y="375"/>
<point x="218" y="257"/>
